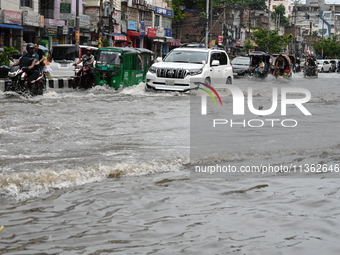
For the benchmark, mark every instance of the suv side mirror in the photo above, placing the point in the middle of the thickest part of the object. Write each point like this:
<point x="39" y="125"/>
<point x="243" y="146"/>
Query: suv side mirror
<point x="215" y="63"/>
<point x="159" y="59"/>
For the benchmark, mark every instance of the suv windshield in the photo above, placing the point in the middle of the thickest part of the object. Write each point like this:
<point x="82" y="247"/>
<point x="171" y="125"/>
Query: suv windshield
<point x="60" y="53"/>
<point x="195" y="57"/>
<point x="109" y="57"/>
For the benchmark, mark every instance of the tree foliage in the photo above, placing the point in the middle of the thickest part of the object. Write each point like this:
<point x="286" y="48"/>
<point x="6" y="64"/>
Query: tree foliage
<point x="6" y="54"/>
<point x="248" y="45"/>
<point x="280" y="12"/>
<point x="270" y="41"/>
<point x="330" y="47"/>
<point x="178" y="13"/>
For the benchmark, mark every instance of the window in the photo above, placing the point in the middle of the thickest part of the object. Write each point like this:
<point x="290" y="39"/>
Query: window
<point x="26" y="3"/>
<point x="46" y="8"/>
<point x="223" y="59"/>
<point x="166" y="22"/>
<point x="220" y="57"/>
<point x="157" y="21"/>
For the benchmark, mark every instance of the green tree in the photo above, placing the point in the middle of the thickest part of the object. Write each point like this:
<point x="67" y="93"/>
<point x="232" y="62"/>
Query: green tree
<point x="270" y="41"/>
<point x="280" y="12"/>
<point x="178" y="12"/>
<point x="6" y="54"/>
<point x="329" y="46"/>
<point x="248" y="45"/>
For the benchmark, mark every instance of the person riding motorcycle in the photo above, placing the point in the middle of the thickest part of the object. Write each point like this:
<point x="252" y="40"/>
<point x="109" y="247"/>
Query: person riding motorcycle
<point x="24" y="62"/>
<point x="87" y="60"/>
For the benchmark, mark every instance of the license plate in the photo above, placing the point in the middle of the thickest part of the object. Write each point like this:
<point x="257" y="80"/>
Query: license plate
<point x="64" y="65"/>
<point x="170" y="82"/>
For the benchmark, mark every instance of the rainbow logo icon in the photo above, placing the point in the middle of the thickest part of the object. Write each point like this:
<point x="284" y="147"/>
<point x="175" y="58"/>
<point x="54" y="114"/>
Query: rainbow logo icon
<point x="208" y="91"/>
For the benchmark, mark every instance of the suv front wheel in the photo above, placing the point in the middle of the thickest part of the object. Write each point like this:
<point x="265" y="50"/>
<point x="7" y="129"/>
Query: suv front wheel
<point x="229" y="81"/>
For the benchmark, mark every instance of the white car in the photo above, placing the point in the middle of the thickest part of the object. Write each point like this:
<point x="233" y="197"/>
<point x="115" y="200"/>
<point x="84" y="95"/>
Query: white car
<point x="63" y="58"/>
<point x="324" y="66"/>
<point x="182" y="67"/>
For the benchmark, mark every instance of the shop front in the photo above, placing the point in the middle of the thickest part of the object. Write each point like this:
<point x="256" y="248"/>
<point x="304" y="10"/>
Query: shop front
<point x="31" y="24"/>
<point x="160" y="43"/>
<point x="132" y="34"/>
<point x="119" y="40"/>
<point x="148" y="41"/>
<point x="11" y="29"/>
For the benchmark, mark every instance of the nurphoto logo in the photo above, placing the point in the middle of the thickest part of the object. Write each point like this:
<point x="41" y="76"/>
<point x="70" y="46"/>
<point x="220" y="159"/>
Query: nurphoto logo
<point x="239" y="104"/>
<point x="204" y="98"/>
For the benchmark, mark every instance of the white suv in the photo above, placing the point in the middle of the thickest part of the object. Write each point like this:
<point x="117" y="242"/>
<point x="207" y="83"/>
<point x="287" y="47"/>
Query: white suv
<point x="182" y="67"/>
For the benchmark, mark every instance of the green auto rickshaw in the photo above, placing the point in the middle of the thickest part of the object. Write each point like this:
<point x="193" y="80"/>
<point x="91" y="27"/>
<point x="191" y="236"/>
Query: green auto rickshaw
<point x="120" y="67"/>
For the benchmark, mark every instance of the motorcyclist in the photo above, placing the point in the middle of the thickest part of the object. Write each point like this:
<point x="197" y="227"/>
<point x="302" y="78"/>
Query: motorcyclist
<point x="24" y="61"/>
<point x="87" y="60"/>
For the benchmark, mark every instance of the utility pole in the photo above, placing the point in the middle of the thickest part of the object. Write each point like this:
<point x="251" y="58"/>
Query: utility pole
<point x="207" y="25"/>
<point x="211" y="21"/>
<point x="269" y="17"/>
<point x="111" y="23"/>
<point x="77" y="26"/>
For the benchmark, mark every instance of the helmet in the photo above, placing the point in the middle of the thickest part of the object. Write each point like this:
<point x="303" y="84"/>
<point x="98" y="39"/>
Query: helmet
<point x="30" y="46"/>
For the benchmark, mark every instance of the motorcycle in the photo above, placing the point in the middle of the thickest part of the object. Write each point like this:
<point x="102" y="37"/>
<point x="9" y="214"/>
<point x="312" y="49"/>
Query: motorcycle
<point x="310" y="71"/>
<point x="82" y="77"/>
<point x="19" y="83"/>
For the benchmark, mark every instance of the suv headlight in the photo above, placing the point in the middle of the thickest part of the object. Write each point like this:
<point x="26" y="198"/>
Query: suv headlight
<point x="194" y="71"/>
<point x="152" y="69"/>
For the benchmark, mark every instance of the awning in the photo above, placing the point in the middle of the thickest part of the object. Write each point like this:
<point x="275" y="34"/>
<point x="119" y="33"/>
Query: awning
<point x="158" y="39"/>
<point x="11" y="26"/>
<point x="119" y="37"/>
<point x="169" y="39"/>
<point x="133" y="33"/>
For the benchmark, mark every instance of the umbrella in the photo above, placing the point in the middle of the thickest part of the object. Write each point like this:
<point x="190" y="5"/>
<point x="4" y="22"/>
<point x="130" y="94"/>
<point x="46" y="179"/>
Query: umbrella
<point x="43" y="48"/>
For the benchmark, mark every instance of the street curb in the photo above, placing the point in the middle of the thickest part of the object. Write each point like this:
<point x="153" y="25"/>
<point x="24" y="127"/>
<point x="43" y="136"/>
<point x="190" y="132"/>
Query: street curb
<point x="53" y="83"/>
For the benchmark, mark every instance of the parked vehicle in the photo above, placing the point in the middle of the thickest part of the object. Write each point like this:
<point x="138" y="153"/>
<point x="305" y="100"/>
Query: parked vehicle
<point x="240" y="66"/>
<point x="324" y="66"/>
<point x="284" y="68"/>
<point x="62" y="58"/>
<point x="121" y="67"/>
<point x="255" y="58"/>
<point x="182" y="67"/>
<point x="19" y="84"/>
<point x="333" y="64"/>
<point x="82" y="79"/>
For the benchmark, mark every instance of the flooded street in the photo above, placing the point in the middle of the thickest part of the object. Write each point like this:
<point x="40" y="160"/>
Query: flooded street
<point x="109" y="172"/>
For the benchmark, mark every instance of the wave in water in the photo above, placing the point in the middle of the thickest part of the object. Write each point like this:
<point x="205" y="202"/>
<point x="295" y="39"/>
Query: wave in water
<point x="21" y="186"/>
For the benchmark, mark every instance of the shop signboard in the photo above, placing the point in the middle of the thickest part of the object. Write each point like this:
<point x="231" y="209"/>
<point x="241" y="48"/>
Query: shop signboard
<point x="30" y="18"/>
<point x="11" y="17"/>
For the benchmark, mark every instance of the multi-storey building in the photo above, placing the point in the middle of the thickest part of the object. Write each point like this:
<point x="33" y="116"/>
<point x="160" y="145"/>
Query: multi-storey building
<point x="20" y="22"/>
<point x="147" y="23"/>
